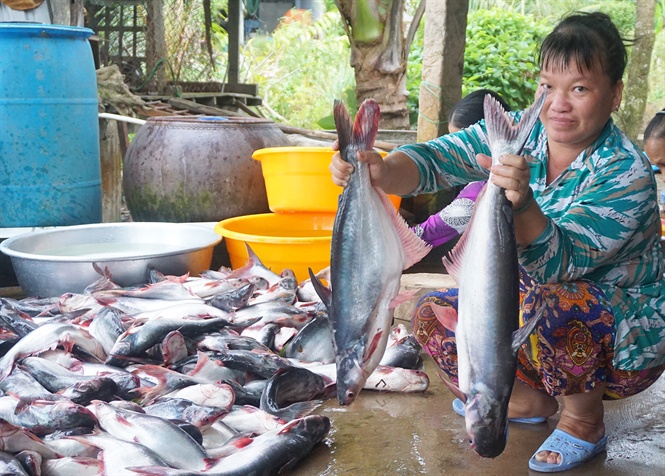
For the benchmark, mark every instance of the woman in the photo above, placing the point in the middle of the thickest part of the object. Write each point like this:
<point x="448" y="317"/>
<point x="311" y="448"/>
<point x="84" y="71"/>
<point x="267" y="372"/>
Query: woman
<point x="654" y="141"/>
<point x="587" y="227"/>
<point x="450" y="222"/>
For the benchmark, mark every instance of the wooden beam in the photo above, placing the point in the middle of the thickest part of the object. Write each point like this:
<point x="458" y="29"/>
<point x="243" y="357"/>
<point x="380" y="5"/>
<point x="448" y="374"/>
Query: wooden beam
<point x="197" y="108"/>
<point x="60" y="11"/>
<point x="77" y="13"/>
<point x="379" y="144"/>
<point x="111" y="153"/>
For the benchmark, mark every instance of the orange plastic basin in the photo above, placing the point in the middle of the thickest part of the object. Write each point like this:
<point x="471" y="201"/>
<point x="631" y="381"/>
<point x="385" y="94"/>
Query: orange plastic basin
<point x="281" y="240"/>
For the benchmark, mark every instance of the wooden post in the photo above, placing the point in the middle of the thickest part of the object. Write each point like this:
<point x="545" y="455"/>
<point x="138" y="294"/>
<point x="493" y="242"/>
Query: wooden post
<point x="441" y="86"/>
<point x="236" y="33"/>
<point x="443" y="65"/>
<point x="156" y="43"/>
<point x="111" y="165"/>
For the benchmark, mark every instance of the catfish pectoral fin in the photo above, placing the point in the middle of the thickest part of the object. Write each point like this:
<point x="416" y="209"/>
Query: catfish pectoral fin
<point x="453" y="388"/>
<point x="321" y="289"/>
<point x="446" y="315"/>
<point x="522" y="334"/>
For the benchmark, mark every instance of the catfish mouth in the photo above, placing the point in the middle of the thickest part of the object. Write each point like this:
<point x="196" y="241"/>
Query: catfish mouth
<point x="488" y="431"/>
<point x="350" y="380"/>
<point x="488" y="448"/>
<point x="346" y="397"/>
<point x="488" y="441"/>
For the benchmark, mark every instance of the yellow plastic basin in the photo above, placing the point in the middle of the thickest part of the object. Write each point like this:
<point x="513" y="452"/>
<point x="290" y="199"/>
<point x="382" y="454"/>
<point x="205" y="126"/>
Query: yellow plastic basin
<point x="281" y="240"/>
<point x="298" y="179"/>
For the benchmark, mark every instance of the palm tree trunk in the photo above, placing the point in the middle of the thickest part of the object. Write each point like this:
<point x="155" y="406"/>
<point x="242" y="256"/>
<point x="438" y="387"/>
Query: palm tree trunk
<point x="387" y="87"/>
<point x="378" y="56"/>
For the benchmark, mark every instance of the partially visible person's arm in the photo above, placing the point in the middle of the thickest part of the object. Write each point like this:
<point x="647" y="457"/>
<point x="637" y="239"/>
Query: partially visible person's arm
<point x="400" y="175"/>
<point x="422" y="168"/>
<point x="397" y="174"/>
<point x="452" y="220"/>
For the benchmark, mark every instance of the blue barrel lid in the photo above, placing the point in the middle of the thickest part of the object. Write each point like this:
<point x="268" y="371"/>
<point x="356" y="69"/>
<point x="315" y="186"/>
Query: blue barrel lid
<point x="42" y="29"/>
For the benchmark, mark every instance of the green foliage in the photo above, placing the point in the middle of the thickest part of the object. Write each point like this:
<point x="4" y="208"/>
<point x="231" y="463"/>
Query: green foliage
<point x="300" y="69"/>
<point x="622" y="13"/>
<point x="659" y="16"/>
<point x="414" y="71"/>
<point x="501" y="54"/>
<point x="656" y="99"/>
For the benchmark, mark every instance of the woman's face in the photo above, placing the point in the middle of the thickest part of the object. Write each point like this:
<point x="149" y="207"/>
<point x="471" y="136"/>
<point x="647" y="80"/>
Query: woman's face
<point x="655" y="150"/>
<point x="578" y="105"/>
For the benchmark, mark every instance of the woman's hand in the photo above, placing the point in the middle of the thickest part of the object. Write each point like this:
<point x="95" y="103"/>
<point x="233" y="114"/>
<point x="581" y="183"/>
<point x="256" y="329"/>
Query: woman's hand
<point x="513" y="175"/>
<point x="342" y="170"/>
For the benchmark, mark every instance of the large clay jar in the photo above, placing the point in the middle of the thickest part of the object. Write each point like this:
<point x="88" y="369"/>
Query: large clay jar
<point x="189" y="169"/>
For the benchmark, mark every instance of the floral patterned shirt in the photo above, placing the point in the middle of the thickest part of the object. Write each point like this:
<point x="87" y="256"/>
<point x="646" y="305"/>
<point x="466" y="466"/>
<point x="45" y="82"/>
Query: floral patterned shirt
<point x="603" y="226"/>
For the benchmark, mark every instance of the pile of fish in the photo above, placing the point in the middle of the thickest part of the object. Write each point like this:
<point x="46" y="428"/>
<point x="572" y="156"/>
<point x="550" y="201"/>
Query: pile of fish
<point x="218" y="374"/>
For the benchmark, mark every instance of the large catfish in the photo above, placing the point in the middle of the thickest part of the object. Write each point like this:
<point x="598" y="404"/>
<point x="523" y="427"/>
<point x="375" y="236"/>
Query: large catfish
<point x="484" y="264"/>
<point x="371" y="245"/>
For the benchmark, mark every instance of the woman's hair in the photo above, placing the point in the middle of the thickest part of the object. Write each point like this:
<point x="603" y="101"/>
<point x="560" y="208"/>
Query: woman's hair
<point x="656" y="127"/>
<point x="587" y="39"/>
<point x="469" y="109"/>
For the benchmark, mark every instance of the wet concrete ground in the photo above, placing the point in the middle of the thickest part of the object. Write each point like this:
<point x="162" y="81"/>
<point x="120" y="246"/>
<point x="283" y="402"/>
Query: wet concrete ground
<point x="410" y="434"/>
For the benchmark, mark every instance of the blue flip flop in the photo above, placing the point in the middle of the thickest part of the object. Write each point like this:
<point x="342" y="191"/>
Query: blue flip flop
<point x="458" y="406"/>
<point x="573" y="452"/>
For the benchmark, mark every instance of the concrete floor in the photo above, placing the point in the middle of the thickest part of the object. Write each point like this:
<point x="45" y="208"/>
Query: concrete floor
<point x="409" y="434"/>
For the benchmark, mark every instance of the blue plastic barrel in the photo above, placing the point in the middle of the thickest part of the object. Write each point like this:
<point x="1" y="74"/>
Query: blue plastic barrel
<point x="49" y="132"/>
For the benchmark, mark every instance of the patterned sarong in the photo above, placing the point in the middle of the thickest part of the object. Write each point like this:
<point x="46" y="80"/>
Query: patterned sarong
<point x="570" y="351"/>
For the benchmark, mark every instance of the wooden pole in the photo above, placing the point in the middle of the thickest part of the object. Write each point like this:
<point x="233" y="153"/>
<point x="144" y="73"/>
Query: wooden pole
<point x="60" y="11"/>
<point x="443" y="65"/>
<point x="441" y="85"/>
<point x="111" y="166"/>
<point x="156" y="43"/>
<point x="235" y="30"/>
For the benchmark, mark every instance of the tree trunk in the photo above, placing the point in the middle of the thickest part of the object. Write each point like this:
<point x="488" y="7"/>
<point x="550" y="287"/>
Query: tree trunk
<point x="388" y="88"/>
<point x="61" y="12"/>
<point x="378" y="56"/>
<point x="637" y="82"/>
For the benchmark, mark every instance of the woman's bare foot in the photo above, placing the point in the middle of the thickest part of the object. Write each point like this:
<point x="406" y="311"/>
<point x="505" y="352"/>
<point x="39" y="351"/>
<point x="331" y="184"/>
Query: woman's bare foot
<point x="528" y="402"/>
<point x="582" y="417"/>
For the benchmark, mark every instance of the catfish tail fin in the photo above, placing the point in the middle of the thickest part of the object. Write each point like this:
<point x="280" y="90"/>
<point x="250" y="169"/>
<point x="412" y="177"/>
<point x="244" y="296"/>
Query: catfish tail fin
<point x="366" y="125"/>
<point x="343" y="126"/>
<point x="502" y="133"/>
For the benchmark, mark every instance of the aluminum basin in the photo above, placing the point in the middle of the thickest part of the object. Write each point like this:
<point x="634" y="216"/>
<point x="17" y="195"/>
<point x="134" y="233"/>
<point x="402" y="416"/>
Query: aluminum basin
<point x="61" y="260"/>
